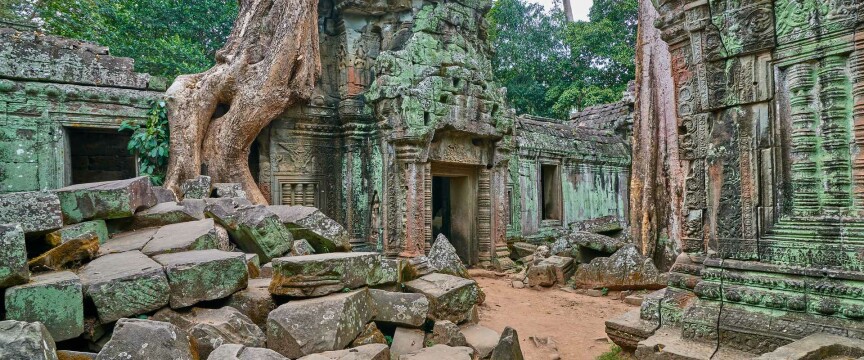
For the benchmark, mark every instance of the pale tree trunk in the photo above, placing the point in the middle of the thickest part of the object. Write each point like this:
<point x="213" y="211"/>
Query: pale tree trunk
<point x="657" y="179"/>
<point x="270" y="62"/>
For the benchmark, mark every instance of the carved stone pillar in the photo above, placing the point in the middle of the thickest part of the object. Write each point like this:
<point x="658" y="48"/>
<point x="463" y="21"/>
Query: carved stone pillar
<point x="412" y="204"/>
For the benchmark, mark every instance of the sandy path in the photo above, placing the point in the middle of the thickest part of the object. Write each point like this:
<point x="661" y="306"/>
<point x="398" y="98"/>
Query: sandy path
<point x="575" y="322"/>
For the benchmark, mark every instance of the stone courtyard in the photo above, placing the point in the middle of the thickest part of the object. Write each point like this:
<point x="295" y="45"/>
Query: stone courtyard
<point x="408" y="212"/>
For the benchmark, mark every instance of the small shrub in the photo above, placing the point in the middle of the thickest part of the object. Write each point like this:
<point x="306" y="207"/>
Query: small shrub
<point x="149" y="142"/>
<point x="614" y="353"/>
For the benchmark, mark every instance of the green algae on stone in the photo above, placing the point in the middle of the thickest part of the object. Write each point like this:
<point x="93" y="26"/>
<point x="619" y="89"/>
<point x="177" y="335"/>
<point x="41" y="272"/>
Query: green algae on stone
<point x="450" y="297"/>
<point x="254" y="229"/>
<point x="77" y="231"/>
<point x="105" y="200"/>
<point x="54" y="299"/>
<point x="323" y="233"/>
<point x="13" y="256"/>
<point x="124" y="285"/>
<point x="37" y="212"/>
<point x="200" y="275"/>
<point x="322" y="274"/>
<point x="193" y="235"/>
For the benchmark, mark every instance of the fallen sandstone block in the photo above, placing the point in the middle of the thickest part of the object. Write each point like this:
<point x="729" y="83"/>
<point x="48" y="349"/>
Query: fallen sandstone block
<point x="135" y="339"/>
<point x="302" y="247"/>
<point x="444" y="259"/>
<point x="369" y="335"/>
<point x="193" y="235"/>
<point x="304" y="327"/>
<point x="168" y="213"/>
<point x="240" y="352"/>
<point x="254" y="301"/>
<point x="211" y="328"/>
<point x="124" y="284"/>
<point x="365" y="352"/>
<point x="322" y="274"/>
<point x="75" y="355"/>
<point x="200" y="275"/>
<point x="322" y="232"/>
<point x="406" y="341"/>
<point x="38" y="212"/>
<point x="482" y="339"/>
<point x="105" y="200"/>
<point x="439" y="352"/>
<point x="254" y="229"/>
<point x="445" y="332"/>
<point x="23" y="340"/>
<point x="13" y="256"/>
<point x="508" y="347"/>
<point x="450" y="297"/>
<point x="72" y="253"/>
<point x="66" y="233"/>
<point x="627" y="269"/>
<point x="399" y="308"/>
<point x="562" y="267"/>
<point x="54" y="299"/>
<point x="128" y="241"/>
<point x="197" y="188"/>
<point x="228" y="190"/>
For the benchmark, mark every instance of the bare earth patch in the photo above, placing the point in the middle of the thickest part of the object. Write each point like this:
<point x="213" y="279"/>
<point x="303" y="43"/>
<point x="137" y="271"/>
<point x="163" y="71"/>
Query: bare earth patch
<point x="574" y="323"/>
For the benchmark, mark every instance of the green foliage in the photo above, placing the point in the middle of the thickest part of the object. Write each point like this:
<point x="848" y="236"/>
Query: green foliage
<point x="165" y="37"/>
<point x="614" y="353"/>
<point x="149" y="142"/>
<point x="551" y="66"/>
<point x="604" y="291"/>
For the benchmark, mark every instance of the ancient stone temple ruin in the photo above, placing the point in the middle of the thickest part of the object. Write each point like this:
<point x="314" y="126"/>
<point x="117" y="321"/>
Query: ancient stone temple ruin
<point x="768" y="101"/>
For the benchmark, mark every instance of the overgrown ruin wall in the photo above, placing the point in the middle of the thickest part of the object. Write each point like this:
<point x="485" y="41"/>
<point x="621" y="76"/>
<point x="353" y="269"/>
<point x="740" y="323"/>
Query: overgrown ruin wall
<point x="50" y="86"/>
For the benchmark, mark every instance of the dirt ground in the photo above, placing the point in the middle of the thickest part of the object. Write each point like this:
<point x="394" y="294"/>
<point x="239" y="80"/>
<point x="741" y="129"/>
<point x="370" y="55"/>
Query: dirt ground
<point x="573" y="323"/>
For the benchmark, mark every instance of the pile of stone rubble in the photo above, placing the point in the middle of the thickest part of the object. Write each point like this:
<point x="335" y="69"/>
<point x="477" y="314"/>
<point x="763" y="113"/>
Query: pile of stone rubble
<point x="587" y="258"/>
<point x="122" y="270"/>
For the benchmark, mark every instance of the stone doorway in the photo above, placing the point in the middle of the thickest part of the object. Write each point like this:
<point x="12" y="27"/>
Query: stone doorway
<point x="96" y="155"/>
<point x="454" y="210"/>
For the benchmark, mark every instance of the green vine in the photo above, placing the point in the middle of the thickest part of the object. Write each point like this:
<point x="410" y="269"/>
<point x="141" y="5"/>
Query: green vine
<point x="149" y="142"/>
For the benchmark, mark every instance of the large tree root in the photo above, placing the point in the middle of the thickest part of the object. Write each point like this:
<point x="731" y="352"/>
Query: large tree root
<point x="270" y="62"/>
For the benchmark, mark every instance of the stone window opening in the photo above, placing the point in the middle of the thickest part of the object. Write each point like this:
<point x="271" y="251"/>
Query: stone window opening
<point x="550" y="188"/>
<point x="98" y="154"/>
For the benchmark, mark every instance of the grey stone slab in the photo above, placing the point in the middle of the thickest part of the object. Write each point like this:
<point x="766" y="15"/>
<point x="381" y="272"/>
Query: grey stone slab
<point x="240" y="352"/>
<point x="404" y="309"/>
<point x="481" y="339"/>
<point x="21" y="340"/>
<point x="135" y="339"/>
<point x="324" y="233"/>
<point x="128" y="241"/>
<point x="13" y="256"/>
<point x="200" y="275"/>
<point x="364" y="352"/>
<point x="439" y="352"/>
<point x="406" y="341"/>
<point x="36" y="211"/>
<point x="193" y="235"/>
<point x="322" y="274"/>
<point x="124" y="284"/>
<point x="54" y="299"/>
<point x="254" y="229"/>
<point x="450" y="297"/>
<point x="211" y="328"/>
<point x="105" y="200"/>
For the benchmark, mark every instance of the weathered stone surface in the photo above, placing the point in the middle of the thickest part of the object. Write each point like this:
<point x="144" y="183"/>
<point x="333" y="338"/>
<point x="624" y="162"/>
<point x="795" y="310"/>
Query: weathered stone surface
<point x="369" y="335"/>
<point x="168" y="213"/>
<point x="200" y="275"/>
<point x="240" y="352"/>
<point x="305" y="327"/>
<point x="127" y="241"/>
<point x="444" y="259"/>
<point x="26" y="341"/>
<point x="228" y="190"/>
<point x="445" y="332"/>
<point x="482" y="339"/>
<point x="508" y="347"/>
<point x="627" y="269"/>
<point x="450" y="297"/>
<point x="322" y="274"/>
<point x="254" y="301"/>
<point x="541" y="275"/>
<point x="253" y="265"/>
<point x="54" y="299"/>
<point x="266" y="271"/>
<point x="302" y="247"/>
<point x="254" y="229"/>
<point x="601" y="243"/>
<point x="438" y="352"/>
<point x="818" y="346"/>
<point x="562" y="266"/>
<point x="135" y="339"/>
<point x="211" y="328"/>
<point x="13" y="256"/>
<point x="69" y="254"/>
<point x="520" y="250"/>
<point x="77" y="231"/>
<point x="365" y="352"/>
<point x="197" y="188"/>
<point x="193" y="235"/>
<point x="124" y="284"/>
<point x="322" y="232"/>
<point x="36" y="211"/>
<point x="75" y="355"/>
<point x="399" y="308"/>
<point x="105" y="200"/>
<point x="406" y="341"/>
<point x="164" y="195"/>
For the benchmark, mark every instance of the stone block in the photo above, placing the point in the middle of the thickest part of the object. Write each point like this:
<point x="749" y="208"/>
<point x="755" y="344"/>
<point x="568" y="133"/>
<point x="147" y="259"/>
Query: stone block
<point x="369" y="335"/>
<point x="211" y="328"/>
<point x="324" y="233"/>
<point x="127" y="241"/>
<point x="562" y="266"/>
<point x="304" y="327"/>
<point x="77" y="231"/>
<point x="75" y="355"/>
<point x="818" y="346"/>
<point x="444" y="259"/>
<point x="254" y="301"/>
<point x="168" y="213"/>
<point x="406" y="341"/>
<point x="266" y="271"/>
<point x="21" y="340"/>
<point x="201" y="275"/>
<point x="365" y="352"/>
<point x="520" y="250"/>
<point x="124" y="284"/>
<point x="240" y="352"/>
<point x="164" y="195"/>
<point x="105" y="200"/>
<point x="13" y="256"/>
<point x="439" y="352"/>
<point x="596" y="242"/>
<point x="482" y="339"/>
<point x="253" y="265"/>
<point x="399" y="308"/>
<point x="541" y="275"/>
<point x="254" y="229"/>
<point x="627" y="269"/>
<point x="72" y="253"/>
<point x="445" y="332"/>
<point x="228" y="190"/>
<point x="450" y="297"/>
<point x="54" y="299"/>
<point x="135" y="339"/>
<point x="322" y="274"/>
<point x="193" y="235"/>
<point x="629" y="329"/>
<point x="197" y="188"/>
<point x="302" y="247"/>
<point x="634" y="300"/>
<point x="38" y="212"/>
<point x="508" y="347"/>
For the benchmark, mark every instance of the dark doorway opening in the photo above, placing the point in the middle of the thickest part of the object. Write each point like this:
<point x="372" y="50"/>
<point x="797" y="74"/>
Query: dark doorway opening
<point x="550" y="187"/>
<point x="99" y="155"/>
<point x="453" y="204"/>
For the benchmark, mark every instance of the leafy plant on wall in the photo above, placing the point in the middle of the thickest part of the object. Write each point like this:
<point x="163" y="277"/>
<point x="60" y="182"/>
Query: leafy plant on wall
<point x="149" y="142"/>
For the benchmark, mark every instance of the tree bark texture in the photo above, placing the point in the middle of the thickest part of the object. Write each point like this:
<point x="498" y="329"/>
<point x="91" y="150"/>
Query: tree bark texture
<point x="269" y="62"/>
<point x="657" y="180"/>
